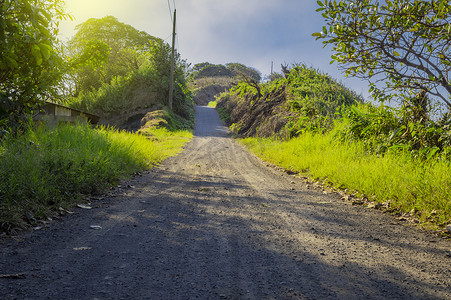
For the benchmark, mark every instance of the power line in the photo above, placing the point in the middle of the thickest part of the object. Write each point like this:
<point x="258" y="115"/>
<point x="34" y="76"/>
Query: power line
<point x="167" y="38"/>
<point x="177" y="36"/>
<point x="176" y="32"/>
<point x="178" y="43"/>
<point x="170" y="14"/>
<point x="170" y="10"/>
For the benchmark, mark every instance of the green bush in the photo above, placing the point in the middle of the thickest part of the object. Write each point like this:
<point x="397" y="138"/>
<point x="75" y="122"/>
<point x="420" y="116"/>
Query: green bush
<point x="383" y="129"/>
<point x="139" y="89"/>
<point x="310" y="99"/>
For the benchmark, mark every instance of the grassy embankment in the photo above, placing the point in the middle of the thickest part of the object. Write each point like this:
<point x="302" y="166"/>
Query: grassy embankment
<point x="44" y="170"/>
<point x="383" y="157"/>
<point x="403" y="183"/>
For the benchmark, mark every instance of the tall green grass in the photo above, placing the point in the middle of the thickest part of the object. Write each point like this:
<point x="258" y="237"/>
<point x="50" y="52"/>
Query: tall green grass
<point x="410" y="184"/>
<point x="45" y="169"/>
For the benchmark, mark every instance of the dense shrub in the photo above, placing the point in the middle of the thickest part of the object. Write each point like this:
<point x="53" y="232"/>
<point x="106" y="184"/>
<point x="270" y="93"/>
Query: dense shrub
<point x="385" y="128"/>
<point x="305" y="99"/>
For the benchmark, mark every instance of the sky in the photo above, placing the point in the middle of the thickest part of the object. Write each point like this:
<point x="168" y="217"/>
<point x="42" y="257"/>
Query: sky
<point x="255" y="33"/>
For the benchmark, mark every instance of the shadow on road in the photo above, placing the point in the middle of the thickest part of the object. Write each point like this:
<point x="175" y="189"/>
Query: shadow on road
<point x="209" y="230"/>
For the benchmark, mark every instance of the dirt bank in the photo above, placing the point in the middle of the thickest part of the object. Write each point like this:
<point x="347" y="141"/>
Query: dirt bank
<point x="217" y="223"/>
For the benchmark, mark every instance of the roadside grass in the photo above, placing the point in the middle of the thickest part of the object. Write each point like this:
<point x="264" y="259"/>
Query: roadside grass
<point x="46" y="170"/>
<point x="170" y="142"/>
<point x="212" y="104"/>
<point x="416" y="188"/>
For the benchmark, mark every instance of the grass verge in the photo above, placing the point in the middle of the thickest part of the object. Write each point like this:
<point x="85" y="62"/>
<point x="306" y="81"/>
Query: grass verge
<point x="48" y="170"/>
<point x="419" y="189"/>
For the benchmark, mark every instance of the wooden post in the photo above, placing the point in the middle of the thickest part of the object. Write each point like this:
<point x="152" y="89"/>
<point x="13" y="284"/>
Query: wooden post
<point x="171" y="78"/>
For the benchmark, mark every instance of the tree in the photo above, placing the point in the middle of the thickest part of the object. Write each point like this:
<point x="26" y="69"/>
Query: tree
<point x="160" y="62"/>
<point x="213" y="71"/>
<point x="30" y="63"/>
<point x="116" y="66"/>
<point x="115" y="34"/>
<point x="242" y="70"/>
<point x="198" y="67"/>
<point x="207" y="69"/>
<point x="89" y="65"/>
<point x="105" y="48"/>
<point x="406" y="43"/>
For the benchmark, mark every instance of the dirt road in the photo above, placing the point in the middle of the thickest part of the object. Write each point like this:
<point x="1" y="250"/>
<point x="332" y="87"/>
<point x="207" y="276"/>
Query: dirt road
<point x="217" y="223"/>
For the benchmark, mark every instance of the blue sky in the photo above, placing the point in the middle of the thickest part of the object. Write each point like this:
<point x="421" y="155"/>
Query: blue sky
<point x="251" y="32"/>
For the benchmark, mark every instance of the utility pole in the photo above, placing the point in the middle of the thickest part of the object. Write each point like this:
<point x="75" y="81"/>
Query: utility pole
<point x="171" y="78"/>
<point x="272" y="67"/>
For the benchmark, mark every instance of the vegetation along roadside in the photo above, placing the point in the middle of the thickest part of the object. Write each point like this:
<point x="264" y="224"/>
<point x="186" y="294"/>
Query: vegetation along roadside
<point x="397" y="155"/>
<point x="50" y="170"/>
<point x="108" y="69"/>
<point x="382" y="157"/>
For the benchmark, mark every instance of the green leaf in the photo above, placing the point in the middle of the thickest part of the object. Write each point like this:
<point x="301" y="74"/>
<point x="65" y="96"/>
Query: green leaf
<point x="36" y="52"/>
<point x="45" y="50"/>
<point x="395" y="53"/>
<point x="355" y="111"/>
<point x="46" y="14"/>
<point x="317" y="34"/>
<point x="394" y="134"/>
<point x="432" y="152"/>
<point x="12" y="63"/>
<point x="320" y="3"/>
<point x="43" y="30"/>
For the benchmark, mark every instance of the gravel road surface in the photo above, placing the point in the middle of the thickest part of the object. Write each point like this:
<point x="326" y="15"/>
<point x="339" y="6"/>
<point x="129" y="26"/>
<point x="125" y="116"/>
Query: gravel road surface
<point x="217" y="223"/>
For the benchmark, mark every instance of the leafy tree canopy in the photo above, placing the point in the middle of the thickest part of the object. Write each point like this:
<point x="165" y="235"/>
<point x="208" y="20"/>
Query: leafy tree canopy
<point x="242" y="70"/>
<point x="115" y="34"/>
<point x="214" y="71"/>
<point x="105" y="48"/>
<point x="116" y="67"/>
<point x="30" y="63"/>
<point x="200" y="66"/>
<point x="406" y="43"/>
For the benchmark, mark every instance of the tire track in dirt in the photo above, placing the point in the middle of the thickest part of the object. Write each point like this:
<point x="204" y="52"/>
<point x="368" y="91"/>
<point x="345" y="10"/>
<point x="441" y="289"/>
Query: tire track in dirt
<point x="217" y="223"/>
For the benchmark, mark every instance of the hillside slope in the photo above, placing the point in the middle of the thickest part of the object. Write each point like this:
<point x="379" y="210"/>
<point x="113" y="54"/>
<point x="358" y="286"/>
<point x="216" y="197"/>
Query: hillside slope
<point x="206" y="89"/>
<point x="303" y="99"/>
<point x="208" y="80"/>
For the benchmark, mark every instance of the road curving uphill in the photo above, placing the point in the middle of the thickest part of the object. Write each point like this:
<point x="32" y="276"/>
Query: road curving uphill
<point x="217" y="223"/>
